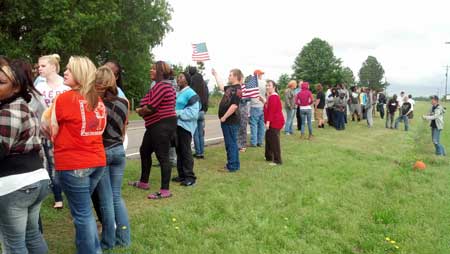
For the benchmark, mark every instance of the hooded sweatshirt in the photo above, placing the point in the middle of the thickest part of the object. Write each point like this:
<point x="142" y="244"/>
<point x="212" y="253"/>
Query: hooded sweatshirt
<point x="305" y="98"/>
<point x="436" y="114"/>
<point x="199" y="86"/>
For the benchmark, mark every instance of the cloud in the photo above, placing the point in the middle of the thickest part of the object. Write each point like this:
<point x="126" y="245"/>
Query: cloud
<point x="407" y="37"/>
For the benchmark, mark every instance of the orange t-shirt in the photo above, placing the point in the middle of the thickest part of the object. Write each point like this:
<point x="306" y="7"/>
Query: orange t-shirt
<point x="78" y="143"/>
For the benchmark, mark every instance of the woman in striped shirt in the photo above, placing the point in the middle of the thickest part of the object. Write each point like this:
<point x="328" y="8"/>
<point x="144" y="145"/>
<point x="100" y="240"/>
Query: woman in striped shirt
<point x="158" y="110"/>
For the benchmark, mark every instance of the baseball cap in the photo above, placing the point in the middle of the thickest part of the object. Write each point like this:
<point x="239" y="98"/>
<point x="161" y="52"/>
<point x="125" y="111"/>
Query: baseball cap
<point x="258" y="72"/>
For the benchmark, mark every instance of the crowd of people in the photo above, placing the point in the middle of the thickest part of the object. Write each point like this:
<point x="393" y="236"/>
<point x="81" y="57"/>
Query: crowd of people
<point x="48" y="123"/>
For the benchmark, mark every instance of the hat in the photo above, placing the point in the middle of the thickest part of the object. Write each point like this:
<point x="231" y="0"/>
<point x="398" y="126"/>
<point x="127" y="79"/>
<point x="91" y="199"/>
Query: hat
<point x="435" y="97"/>
<point x="258" y="72"/>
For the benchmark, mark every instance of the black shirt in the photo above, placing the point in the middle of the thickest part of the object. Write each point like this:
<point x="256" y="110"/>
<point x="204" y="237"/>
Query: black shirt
<point x="392" y="106"/>
<point x="382" y="99"/>
<point x="405" y="108"/>
<point x="320" y="96"/>
<point x="232" y="95"/>
<point x="433" y="122"/>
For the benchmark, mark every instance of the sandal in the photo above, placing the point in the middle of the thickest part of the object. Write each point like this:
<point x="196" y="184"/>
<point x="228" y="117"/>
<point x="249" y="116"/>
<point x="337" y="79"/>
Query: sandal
<point x="160" y="195"/>
<point x="139" y="185"/>
<point x="58" y="205"/>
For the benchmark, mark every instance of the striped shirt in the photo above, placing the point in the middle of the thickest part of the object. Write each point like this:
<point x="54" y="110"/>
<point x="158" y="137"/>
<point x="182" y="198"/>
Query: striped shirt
<point x="117" y="118"/>
<point x="161" y="100"/>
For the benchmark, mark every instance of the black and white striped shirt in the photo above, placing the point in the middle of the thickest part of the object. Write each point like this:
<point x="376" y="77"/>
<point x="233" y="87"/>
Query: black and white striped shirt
<point x="117" y="118"/>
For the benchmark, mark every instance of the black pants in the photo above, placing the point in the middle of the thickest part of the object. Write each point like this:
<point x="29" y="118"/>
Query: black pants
<point x="330" y="115"/>
<point x="299" y="118"/>
<point x="185" y="161"/>
<point x="157" y="139"/>
<point x="381" y="109"/>
<point x="273" y="149"/>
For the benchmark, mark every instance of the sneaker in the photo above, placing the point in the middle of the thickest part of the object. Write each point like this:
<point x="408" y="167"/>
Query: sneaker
<point x="187" y="183"/>
<point x="273" y="164"/>
<point x="199" y="156"/>
<point x="177" y="179"/>
<point x="259" y="145"/>
<point x="310" y="137"/>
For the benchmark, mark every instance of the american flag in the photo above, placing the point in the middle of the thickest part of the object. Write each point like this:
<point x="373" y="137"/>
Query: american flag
<point x="200" y="52"/>
<point x="251" y="89"/>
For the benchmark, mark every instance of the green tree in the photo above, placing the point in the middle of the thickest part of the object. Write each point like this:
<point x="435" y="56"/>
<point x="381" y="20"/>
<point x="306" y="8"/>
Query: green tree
<point x="125" y="30"/>
<point x="316" y="63"/>
<point x="282" y="82"/>
<point x="347" y="76"/>
<point x="371" y="74"/>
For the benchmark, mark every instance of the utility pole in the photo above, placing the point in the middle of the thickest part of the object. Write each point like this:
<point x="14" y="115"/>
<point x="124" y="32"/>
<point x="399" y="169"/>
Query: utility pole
<point x="446" y="80"/>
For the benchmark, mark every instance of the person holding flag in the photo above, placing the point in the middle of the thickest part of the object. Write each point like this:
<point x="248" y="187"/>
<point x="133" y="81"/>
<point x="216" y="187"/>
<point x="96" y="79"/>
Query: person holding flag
<point x="257" y="129"/>
<point x="229" y="116"/>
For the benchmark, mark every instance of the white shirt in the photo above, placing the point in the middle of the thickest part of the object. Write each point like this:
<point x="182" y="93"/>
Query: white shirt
<point x="49" y="93"/>
<point x="412" y="102"/>
<point x="9" y="184"/>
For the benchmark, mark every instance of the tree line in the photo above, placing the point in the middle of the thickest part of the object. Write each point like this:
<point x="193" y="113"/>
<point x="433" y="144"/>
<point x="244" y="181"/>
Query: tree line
<point x="124" y="30"/>
<point x="316" y="63"/>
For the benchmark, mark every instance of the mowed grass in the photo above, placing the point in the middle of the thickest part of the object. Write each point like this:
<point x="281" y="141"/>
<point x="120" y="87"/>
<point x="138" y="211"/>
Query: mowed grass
<point x="343" y="192"/>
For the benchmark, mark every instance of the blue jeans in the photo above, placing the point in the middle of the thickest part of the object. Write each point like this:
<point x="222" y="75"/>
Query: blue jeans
<point x="19" y="216"/>
<point x="339" y="120"/>
<point x="290" y="114"/>
<point x="306" y="115"/>
<point x="257" y="128"/>
<point x="115" y="223"/>
<point x="436" y="136"/>
<point x="199" y="135"/>
<point x="50" y="166"/>
<point x="402" y="119"/>
<point x="230" y="132"/>
<point x="78" y="186"/>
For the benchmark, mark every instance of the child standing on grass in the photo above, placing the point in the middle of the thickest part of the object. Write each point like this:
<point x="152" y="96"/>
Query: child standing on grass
<point x="274" y="121"/>
<point x="436" y="116"/>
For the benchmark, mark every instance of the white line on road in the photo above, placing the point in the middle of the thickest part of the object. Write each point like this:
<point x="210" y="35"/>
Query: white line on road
<point x="206" y="140"/>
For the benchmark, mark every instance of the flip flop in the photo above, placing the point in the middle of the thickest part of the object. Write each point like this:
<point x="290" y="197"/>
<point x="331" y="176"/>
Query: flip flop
<point x="159" y="195"/>
<point x="139" y="185"/>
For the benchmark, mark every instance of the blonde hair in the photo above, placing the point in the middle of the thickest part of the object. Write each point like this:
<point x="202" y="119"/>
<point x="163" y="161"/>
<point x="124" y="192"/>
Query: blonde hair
<point x="53" y="60"/>
<point x="106" y="81"/>
<point x="292" y="84"/>
<point x="83" y="71"/>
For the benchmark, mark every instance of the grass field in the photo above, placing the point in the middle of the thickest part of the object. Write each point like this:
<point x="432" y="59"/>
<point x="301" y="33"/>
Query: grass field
<point x="343" y="192"/>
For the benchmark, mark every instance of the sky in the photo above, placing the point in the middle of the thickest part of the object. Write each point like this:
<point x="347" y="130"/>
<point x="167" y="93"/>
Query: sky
<point x="407" y="37"/>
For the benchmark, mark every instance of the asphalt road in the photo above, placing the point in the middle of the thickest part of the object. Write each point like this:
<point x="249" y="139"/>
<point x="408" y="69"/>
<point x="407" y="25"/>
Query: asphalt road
<point x="213" y="134"/>
<point x="136" y="129"/>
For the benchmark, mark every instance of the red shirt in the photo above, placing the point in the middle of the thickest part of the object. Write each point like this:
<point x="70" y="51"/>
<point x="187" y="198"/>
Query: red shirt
<point x="273" y="112"/>
<point x="78" y="143"/>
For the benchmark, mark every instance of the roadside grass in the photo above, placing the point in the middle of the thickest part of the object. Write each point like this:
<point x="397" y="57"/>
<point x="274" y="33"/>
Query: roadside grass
<point x="343" y="192"/>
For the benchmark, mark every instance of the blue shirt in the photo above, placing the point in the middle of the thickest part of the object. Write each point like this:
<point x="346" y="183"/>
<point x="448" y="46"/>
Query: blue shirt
<point x="187" y="108"/>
